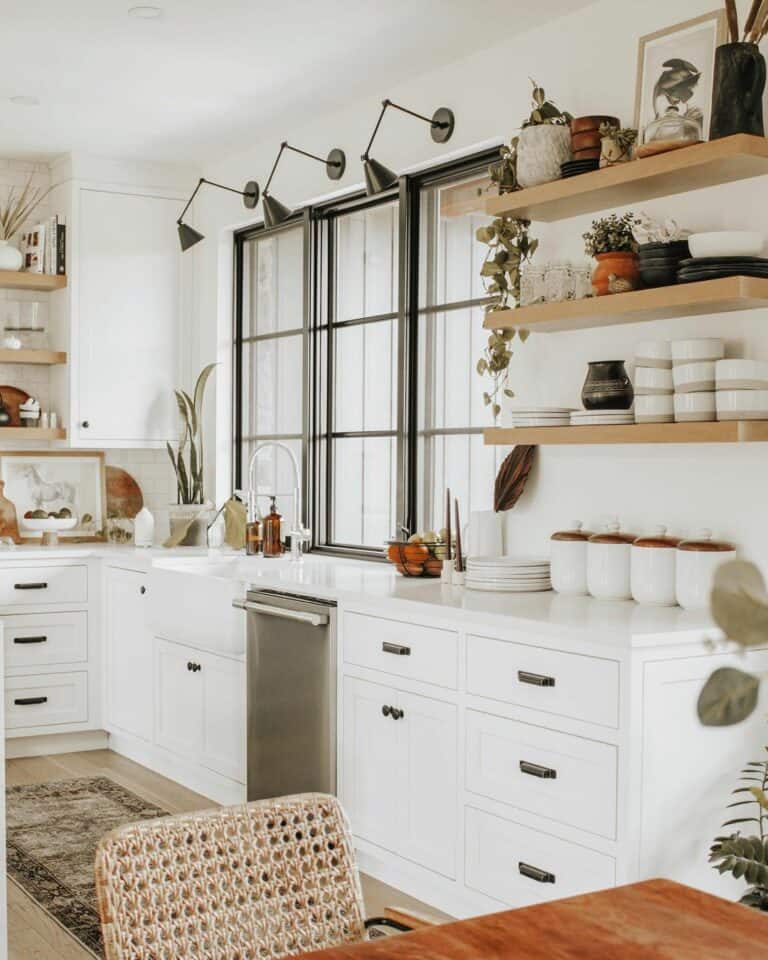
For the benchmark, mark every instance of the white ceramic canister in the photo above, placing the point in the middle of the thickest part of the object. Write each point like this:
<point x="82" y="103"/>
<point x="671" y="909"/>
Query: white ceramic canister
<point x="652" y="574"/>
<point x="568" y="560"/>
<point x="143" y="528"/>
<point x="608" y="564"/>
<point x="696" y="562"/>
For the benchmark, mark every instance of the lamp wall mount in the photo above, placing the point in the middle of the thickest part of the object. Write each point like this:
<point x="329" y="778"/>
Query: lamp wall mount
<point x="188" y="236"/>
<point x="276" y="212"/>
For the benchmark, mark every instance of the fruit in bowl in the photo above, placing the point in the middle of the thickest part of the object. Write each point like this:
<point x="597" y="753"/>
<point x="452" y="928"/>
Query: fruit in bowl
<point x="421" y="555"/>
<point x="49" y="523"/>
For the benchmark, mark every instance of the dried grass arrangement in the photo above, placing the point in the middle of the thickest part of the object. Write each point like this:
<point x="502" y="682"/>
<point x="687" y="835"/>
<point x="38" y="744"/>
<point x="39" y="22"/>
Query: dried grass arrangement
<point x="18" y="207"/>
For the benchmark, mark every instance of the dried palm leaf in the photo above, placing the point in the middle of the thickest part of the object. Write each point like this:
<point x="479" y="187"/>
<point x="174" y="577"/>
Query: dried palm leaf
<point x="733" y="20"/>
<point x="512" y="477"/>
<point x="751" y="17"/>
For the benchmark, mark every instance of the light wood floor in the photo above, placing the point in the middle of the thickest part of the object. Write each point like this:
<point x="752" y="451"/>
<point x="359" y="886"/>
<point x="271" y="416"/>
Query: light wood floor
<point x="32" y="935"/>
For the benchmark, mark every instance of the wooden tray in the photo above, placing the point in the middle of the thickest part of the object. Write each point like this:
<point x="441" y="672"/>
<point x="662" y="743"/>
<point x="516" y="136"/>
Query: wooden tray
<point x="13" y="397"/>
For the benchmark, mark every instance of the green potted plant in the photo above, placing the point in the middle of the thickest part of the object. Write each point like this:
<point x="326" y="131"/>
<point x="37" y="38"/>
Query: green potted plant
<point x="544" y="142"/>
<point x="616" y="144"/>
<point x="611" y="242"/>
<point x="509" y="247"/>
<point x="190" y="515"/>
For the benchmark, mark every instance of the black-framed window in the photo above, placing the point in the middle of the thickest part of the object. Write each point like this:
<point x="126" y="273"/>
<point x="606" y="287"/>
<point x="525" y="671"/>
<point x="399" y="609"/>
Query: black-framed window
<point x="391" y="331"/>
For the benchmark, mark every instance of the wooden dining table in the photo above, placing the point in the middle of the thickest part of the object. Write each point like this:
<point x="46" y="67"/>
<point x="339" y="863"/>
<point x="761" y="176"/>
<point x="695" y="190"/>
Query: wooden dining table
<point x="652" y="920"/>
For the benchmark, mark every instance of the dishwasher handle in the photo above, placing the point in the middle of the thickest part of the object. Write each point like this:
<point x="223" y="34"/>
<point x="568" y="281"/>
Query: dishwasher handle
<point x="314" y="619"/>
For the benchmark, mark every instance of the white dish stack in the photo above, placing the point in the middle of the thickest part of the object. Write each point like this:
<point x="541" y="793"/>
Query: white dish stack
<point x="693" y="372"/>
<point x="653" y="382"/>
<point x="741" y="389"/>
<point x="540" y="415"/>
<point x="508" y="574"/>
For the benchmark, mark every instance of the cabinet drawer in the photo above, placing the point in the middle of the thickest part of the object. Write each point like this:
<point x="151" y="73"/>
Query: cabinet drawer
<point x="35" y="586"/>
<point x="553" y="774"/>
<point x="51" y="699"/>
<point x="585" y="688"/>
<point x="41" y="639"/>
<point x="406" y="650"/>
<point x="519" y="866"/>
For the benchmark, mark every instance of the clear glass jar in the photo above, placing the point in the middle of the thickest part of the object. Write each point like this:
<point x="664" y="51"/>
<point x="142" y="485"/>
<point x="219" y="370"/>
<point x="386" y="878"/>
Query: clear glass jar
<point x="558" y="282"/>
<point x="582" y="281"/>
<point x="526" y="286"/>
<point x="539" y="288"/>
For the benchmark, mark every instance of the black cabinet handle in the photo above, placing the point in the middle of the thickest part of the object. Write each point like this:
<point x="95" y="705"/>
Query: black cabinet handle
<point x="30" y="701"/>
<point x="396" y="648"/>
<point x="30" y="586"/>
<point x="535" y="873"/>
<point x="142" y="590"/>
<point x="85" y="424"/>
<point x="21" y="640"/>
<point x="193" y="667"/>
<point x="397" y="714"/>
<point x="535" y="679"/>
<point x="536" y="770"/>
<point x="386" y="710"/>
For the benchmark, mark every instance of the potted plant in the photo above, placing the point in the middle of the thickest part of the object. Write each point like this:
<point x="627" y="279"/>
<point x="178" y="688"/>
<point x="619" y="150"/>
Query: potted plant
<point x="18" y="207"/>
<point x="190" y="515"/>
<point x="611" y="243"/>
<point x="616" y="144"/>
<point x="544" y="141"/>
<point x="504" y="171"/>
<point x="509" y="246"/>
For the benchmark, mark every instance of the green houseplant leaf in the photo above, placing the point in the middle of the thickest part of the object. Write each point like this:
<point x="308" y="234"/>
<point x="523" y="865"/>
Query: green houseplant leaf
<point x="729" y="696"/>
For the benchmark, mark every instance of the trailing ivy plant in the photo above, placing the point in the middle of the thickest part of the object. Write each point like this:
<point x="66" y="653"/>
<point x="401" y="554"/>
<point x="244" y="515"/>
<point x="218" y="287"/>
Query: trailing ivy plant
<point x="509" y="246"/>
<point x="545" y="111"/>
<point x="625" y="137"/>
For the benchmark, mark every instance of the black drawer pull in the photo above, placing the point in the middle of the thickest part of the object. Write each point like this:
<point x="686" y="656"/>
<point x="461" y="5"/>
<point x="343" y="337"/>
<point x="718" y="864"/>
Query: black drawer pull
<point x="396" y="648"/>
<point x="534" y="873"/>
<point x="30" y="701"/>
<point x="397" y="714"/>
<point x="193" y="667"/>
<point x="30" y="586"/>
<point x="386" y="710"/>
<point x="536" y="770"/>
<point x="22" y="640"/>
<point x="535" y="679"/>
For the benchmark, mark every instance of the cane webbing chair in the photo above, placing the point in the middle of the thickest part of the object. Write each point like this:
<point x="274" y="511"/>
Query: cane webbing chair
<point x="256" y="882"/>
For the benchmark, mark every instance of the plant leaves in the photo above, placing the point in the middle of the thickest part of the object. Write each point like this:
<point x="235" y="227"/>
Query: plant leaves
<point x="740" y="603"/>
<point x="512" y="477"/>
<point x="729" y="696"/>
<point x="200" y="386"/>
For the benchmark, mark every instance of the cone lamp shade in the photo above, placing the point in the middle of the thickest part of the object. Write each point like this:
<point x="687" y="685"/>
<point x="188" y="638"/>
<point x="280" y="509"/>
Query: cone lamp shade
<point x="275" y="212"/>
<point x="378" y="177"/>
<point x="188" y="236"/>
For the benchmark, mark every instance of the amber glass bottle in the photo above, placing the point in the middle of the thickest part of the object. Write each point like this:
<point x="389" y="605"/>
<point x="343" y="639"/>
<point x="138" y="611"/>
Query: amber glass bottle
<point x="253" y="537"/>
<point x="272" y="545"/>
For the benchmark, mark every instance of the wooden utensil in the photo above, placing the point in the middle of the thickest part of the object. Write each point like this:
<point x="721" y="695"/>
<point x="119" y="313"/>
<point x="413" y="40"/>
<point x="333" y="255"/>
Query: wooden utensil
<point x="751" y="16"/>
<point x="9" y="526"/>
<point x="124" y="497"/>
<point x="459" y="555"/>
<point x="13" y="397"/>
<point x="733" y="20"/>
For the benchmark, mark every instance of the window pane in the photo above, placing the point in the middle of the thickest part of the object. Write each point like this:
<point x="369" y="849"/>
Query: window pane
<point x="364" y="491"/>
<point x="272" y="386"/>
<point x="273" y="283"/>
<point x="366" y="263"/>
<point x="365" y="376"/>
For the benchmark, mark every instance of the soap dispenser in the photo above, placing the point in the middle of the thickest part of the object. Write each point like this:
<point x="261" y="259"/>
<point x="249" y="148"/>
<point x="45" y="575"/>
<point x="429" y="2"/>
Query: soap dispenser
<point x="272" y="544"/>
<point x="253" y="534"/>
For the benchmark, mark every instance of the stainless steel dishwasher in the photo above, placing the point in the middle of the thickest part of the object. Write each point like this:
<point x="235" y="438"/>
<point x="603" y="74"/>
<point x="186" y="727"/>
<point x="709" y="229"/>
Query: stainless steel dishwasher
<point x="291" y="694"/>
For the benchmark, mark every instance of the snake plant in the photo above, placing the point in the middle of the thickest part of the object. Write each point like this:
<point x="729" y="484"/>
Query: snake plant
<point x="189" y="472"/>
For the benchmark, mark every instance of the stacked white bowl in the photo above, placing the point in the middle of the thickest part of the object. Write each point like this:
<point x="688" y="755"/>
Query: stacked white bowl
<point x="741" y="389"/>
<point x="653" y="382"/>
<point x="693" y="374"/>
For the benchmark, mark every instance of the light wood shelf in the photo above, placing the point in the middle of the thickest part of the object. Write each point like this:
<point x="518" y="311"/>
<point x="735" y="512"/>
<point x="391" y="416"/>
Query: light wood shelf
<point x="42" y="282"/>
<point x="32" y="356"/>
<point x="32" y="433"/>
<point x="730" y="431"/>
<point x="723" y="295"/>
<point x="690" y="168"/>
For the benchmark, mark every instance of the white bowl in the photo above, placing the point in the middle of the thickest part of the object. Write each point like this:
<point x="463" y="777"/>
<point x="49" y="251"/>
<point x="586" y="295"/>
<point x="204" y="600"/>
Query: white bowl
<point x="742" y="404"/>
<point x="50" y="524"/>
<point x="694" y="406"/>
<point x="726" y="243"/>
<point x="694" y="377"/>
<point x="692" y="351"/>
<point x="657" y="409"/>
<point x="652" y="380"/>
<point x="653" y="353"/>
<point x="741" y="375"/>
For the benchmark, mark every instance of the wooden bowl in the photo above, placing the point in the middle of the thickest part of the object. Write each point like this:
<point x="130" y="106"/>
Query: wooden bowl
<point x="581" y="124"/>
<point x="582" y="141"/>
<point x="587" y="153"/>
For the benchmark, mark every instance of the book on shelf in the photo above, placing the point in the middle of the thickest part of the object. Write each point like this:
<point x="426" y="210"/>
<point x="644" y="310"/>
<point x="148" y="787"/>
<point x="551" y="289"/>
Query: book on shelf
<point x="44" y="248"/>
<point x="33" y="249"/>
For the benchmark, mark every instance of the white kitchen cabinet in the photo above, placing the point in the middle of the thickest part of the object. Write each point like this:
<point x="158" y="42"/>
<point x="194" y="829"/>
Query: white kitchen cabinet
<point x="129" y="660"/>
<point x="400" y="770"/>
<point x="179" y="720"/>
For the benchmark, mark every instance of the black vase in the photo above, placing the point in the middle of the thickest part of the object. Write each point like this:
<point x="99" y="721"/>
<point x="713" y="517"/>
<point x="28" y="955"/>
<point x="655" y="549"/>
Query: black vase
<point x="607" y="386"/>
<point x="737" y="95"/>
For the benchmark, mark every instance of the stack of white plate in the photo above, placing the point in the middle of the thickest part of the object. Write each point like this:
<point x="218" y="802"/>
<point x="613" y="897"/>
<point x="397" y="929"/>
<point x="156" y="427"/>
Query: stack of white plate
<point x="583" y="418"/>
<point x="508" y="574"/>
<point x="540" y="415"/>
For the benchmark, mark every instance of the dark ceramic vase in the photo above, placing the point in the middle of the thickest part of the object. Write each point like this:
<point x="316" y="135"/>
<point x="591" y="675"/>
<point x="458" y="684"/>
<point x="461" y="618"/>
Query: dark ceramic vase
<point x="737" y="95"/>
<point x="607" y="386"/>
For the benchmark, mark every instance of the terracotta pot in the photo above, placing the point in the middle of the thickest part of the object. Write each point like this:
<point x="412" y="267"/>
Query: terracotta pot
<point x="585" y="140"/>
<point x="580" y="124"/>
<point x="587" y="153"/>
<point x="612" y="152"/>
<point x="616" y="272"/>
<point x="540" y="151"/>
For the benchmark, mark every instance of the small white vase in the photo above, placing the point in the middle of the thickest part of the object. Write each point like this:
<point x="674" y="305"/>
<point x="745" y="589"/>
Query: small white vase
<point x="540" y="151"/>
<point x="10" y="256"/>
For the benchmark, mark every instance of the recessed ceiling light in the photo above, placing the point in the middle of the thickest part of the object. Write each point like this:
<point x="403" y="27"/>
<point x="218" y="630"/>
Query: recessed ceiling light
<point x="25" y="101"/>
<point x="145" y="12"/>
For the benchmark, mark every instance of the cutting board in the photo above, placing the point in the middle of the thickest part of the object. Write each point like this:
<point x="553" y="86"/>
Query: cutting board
<point x="9" y="526"/>
<point x="12" y="398"/>
<point x="124" y="497"/>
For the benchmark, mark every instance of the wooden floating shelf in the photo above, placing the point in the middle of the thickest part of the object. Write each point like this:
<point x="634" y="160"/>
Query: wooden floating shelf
<point x="690" y="168"/>
<point x="723" y="295"/>
<point x="32" y="356"/>
<point x="728" y="431"/>
<point x="42" y="282"/>
<point x="32" y="433"/>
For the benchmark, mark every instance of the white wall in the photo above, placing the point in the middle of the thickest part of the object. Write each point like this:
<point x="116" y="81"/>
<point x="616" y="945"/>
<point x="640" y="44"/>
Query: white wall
<point x="587" y="63"/>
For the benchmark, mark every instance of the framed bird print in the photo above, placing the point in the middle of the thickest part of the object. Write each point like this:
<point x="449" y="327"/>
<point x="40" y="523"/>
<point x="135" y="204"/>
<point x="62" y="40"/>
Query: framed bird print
<point x="675" y="70"/>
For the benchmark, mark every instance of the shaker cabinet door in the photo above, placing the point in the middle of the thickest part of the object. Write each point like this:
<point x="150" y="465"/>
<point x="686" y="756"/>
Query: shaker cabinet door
<point x="128" y="309"/>
<point x="179" y="697"/>
<point x="224" y="715"/>
<point x="129" y="666"/>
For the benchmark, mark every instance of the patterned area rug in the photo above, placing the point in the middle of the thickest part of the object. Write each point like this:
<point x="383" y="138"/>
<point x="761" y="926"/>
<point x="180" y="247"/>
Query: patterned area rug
<point x="53" y="830"/>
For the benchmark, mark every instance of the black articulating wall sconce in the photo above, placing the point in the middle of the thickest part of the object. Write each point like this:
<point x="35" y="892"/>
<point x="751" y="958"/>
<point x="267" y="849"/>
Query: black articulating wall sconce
<point x="377" y="176"/>
<point x="276" y="212"/>
<point x="188" y="236"/>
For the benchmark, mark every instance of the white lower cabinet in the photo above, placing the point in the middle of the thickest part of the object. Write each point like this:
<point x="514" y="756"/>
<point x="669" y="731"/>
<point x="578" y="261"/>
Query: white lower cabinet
<point x="46" y="700"/>
<point x="400" y="771"/>
<point x="130" y="667"/>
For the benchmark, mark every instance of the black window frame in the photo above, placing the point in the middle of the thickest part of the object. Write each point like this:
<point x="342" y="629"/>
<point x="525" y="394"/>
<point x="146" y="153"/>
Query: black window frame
<point x="318" y="289"/>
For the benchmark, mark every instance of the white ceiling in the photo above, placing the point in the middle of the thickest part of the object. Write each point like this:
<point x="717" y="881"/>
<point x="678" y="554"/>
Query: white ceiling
<point x="197" y="83"/>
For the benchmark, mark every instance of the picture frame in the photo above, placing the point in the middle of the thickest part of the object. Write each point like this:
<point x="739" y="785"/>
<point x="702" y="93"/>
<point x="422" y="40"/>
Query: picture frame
<point x="692" y="43"/>
<point x="52" y="479"/>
